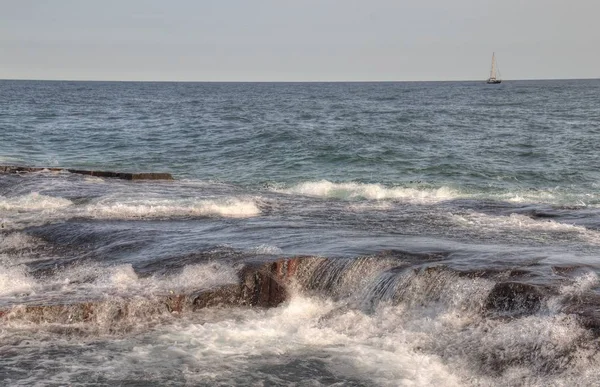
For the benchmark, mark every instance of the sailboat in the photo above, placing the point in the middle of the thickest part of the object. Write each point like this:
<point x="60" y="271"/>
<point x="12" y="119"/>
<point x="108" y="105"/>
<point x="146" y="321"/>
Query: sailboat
<point x="493" y="79"/>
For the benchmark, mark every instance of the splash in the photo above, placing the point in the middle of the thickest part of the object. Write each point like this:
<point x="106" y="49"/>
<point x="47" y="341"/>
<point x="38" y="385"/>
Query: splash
<point x="15" y="281"/>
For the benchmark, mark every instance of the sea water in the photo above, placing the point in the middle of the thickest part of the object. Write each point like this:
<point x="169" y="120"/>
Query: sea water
<point x="455" y="228"/>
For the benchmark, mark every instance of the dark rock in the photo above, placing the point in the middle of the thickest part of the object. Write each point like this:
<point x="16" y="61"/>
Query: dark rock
<point x="228" y="295"/>
<point x="265" y="286"/>
<point x="116" y="175"/>
<point x="514" y="298"/>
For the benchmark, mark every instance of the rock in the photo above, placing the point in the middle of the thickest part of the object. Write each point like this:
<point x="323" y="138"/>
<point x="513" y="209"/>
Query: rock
<point x="116" y="175"/>
<point x="514" y="298"/>
<point x="260" y="285"/>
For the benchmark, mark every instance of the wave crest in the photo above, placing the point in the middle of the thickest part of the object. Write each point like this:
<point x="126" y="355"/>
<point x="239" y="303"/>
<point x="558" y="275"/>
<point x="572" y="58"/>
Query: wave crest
<point x="352" y="191"/>
<point x="33" y="202"/>
<point x="231" y="208"/>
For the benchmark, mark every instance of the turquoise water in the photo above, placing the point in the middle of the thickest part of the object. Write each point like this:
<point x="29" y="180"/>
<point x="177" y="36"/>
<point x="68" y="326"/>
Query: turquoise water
<point x="459" y="223"/>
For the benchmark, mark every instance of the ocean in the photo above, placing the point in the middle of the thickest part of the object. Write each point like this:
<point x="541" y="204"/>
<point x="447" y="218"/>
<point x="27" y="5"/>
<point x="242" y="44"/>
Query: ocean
<point x="314" y="234"/>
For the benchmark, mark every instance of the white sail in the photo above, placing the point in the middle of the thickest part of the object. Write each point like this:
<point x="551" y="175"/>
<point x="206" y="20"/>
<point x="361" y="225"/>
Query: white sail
<point x="493" y="70"/>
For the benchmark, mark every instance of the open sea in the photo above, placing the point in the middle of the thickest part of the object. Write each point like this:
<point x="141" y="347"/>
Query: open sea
<point x="315" y="234"/>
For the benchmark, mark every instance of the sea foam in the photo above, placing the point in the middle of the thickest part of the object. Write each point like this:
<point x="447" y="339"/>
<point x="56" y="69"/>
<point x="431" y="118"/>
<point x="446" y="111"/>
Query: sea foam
<point x="17" y="241"/>
<point x="14" y="280"/>
<point x="518" y="222"/>
<point x="33" y="202"/>
<point x="300" y="329"/>
<point x="350" y="191"/>
<point x="158" y="208"/>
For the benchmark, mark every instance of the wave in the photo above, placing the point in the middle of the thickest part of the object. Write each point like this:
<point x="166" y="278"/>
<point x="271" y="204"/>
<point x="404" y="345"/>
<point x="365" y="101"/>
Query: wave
<point x="31" y="209"/>
<point x="124" y="278"/>
<point x="556" y="196"/>
<point x="33" y="202"/>
<point x="154" y="208"/>
<point x="485" y="223"/>
<point x="92" y="281"/>
<point x="34" y="209"/>
<point x="424" y="194"/>
<point x="353" y="191"/>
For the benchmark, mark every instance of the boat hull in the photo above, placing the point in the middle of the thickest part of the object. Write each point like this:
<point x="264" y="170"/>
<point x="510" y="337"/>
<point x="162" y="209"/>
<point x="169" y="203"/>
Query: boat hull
<point x="493" y="81"/>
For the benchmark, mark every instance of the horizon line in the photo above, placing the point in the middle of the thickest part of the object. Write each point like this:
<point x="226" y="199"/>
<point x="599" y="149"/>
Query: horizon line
<point x="287" y="81"/>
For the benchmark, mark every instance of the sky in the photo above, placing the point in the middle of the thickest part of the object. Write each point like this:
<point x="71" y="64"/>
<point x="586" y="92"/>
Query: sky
<point x="301" y="40"/>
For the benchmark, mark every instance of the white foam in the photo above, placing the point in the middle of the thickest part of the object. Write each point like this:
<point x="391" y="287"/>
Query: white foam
<point x="33" y="202"/>
<point x="7" y="160"/>
<point x="425" y="195"/>
<point x="267" y="249"/>
<point x="581" y="285"/>
<point x="35" y="209"/>
<point x="92" y="280"/>
<point x="549" y="196"/>
<point x="297" y="330"/>
<point x="156" y="208"/>
<point x="531" y="345"/>
<point x="94" y="180"/>
<point x="14" y="280"/>
<point x="120" y="277"/>
<point x="409" y="344"/>
<point x="516" y="222"/>
<point x="327" y="189"/>
<point x="201" y="276"/>
<point x="17" y="241"/>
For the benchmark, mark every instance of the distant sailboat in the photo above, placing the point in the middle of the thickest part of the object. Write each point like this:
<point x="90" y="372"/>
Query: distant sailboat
<point x="493" y="79"/>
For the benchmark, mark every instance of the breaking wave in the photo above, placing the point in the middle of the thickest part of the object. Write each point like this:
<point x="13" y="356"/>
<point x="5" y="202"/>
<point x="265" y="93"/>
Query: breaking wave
<point x="354" y="191"/>
<point x="427" y="195"/>
<point x="35" y="209"/>
<point x="230" y="207"/>
<point x="92" y="281"/>
<point x="33" y="202"/>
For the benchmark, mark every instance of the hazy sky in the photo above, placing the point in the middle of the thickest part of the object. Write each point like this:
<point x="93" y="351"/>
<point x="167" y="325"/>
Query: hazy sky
<point x="302" y="40"/>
